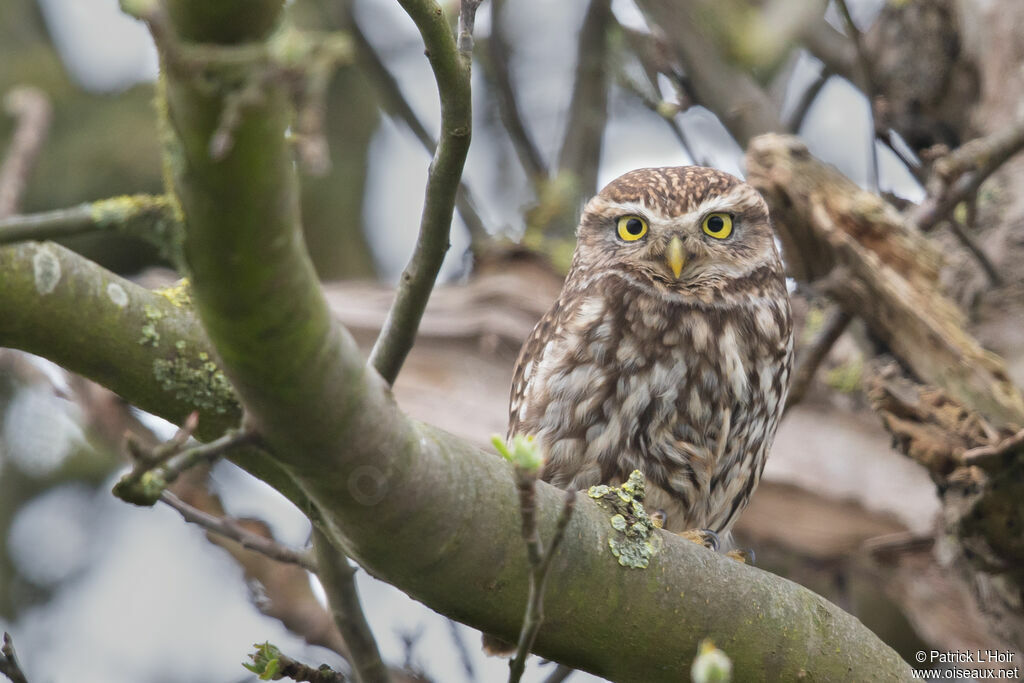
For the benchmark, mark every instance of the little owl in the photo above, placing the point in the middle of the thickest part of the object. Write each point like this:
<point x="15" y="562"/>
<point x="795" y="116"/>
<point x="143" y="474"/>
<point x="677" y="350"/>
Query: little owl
<point x="668" y="350"/>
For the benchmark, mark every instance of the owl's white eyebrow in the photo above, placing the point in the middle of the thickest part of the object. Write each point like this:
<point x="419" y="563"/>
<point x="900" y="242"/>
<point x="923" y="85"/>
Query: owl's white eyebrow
<point x="739" y="198"/>
<point x="625" y="208"/>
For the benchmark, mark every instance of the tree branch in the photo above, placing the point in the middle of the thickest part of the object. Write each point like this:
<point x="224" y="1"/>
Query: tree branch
<point x="269" y="663"/>
<point x="889" y="273"/>
<point x="870" y="89"/>
<point x="962" y="231"/>
<point x="338" y="579"/>
<point x="232" y="530"/>
<point x="830" y="46"/>
<point x="442" y="523"/>
<point x="156" y="470"/>
<point x="147" y="217"/>
<point x="744" y="108"/>
<point x="795" y="120"/>
<point x="540" y="563"/>
<point x="31" y="110"/>
<point x="960" y="174"/>
<point x="398" y="108"/>
<point x="500" y="72"/>
<point x="451" y="70"/>
<point x="526" y="460"/>
<point x="812" y="358"/>
<point x="560" y="673"/>
<point x="665" y="110"/>
<point x="9" y="665"/>
<point x="580" y="154"/>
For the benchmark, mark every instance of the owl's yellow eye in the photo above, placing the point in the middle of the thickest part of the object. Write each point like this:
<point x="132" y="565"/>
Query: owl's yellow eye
<point x="632" y="228"/>
<point x="718" y="225"/>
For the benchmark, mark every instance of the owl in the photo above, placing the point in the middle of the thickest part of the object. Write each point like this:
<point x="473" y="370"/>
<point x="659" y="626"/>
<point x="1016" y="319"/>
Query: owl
<point x="668" y="350"/>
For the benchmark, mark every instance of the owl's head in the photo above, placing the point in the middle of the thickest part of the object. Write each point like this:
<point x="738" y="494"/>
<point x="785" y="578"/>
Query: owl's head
<point x="683" y="228"/>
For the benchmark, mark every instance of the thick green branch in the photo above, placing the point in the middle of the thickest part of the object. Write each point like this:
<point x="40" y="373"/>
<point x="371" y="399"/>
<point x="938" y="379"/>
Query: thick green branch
<point x="451" y="70"/>
<point x="440" y="519"/>
<point x="139" y="343"/>
<point x="144" y="345"/>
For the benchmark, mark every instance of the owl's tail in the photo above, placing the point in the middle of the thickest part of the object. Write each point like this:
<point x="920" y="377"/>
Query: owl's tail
<point x="497" y="647"/>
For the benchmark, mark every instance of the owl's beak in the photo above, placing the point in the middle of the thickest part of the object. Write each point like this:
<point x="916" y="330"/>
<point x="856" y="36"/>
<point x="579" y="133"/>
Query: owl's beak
<point x="675" y="257"/>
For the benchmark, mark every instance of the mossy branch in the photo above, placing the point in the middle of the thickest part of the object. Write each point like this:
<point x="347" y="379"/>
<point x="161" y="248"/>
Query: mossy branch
<point x="148" y="217"/>
<point x="440" y="519"/>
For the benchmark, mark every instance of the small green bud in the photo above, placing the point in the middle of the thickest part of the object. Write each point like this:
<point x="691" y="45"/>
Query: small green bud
<point x="667" y="109"/>
<point x="711" y="665"/>
<point x="138" y="8"/>
<point x="521" y="452"/>
<point x="265" y="661"/>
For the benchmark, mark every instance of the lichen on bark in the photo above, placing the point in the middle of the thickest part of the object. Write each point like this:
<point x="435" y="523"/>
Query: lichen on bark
<point x="633" y="540"/>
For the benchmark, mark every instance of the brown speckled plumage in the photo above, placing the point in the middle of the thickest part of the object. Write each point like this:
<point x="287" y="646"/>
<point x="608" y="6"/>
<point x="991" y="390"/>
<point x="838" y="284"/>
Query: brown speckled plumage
<point x="681" y="377"/>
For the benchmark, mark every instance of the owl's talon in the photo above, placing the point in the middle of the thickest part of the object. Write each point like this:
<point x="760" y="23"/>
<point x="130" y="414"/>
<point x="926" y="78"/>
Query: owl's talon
<point x="658" y="518"/>
<point x="704" y="537"/>
<point x="744" y="555"/>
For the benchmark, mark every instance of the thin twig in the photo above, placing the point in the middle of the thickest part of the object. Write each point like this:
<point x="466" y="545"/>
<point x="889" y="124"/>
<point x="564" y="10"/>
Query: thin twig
<point x="796" y="118"/>
<point x="560" y="673"/>
<point x="712" y="80"/>
<point x="816" y="352"/>
<point x="500" y="73"/>
<point x="9" y="665"/>
<point x="207" y="453"/>
<point x="399" y="109"/>
<point x="870" y="91"/>
<point x="540" y="563"/>
<point x="269" y="663"/>
<point x="233" y="530"/>
<point x="338" y="578"/>
<point x="32" y="113"/>
<point x="580" y="154"/>
<point x="960" y="174"/>
<point x="146" y="216"/>
<point x="48" y="225"/>
<point x="155" y="470"/>
<point x="462" y="650"/>
<point x="452" y="73"/>
<point x="467" y="20"/>
<point x="658" y="107"/>
<point x="827" y="45"/>
<point x="890" y="546"/>
<point x="963" y="233"/>
<point x="986" y="456"/>
<point x="910" y="161"/>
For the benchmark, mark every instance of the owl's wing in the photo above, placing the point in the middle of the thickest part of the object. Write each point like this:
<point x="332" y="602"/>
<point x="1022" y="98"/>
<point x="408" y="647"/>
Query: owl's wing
<point x="547" y="330"/>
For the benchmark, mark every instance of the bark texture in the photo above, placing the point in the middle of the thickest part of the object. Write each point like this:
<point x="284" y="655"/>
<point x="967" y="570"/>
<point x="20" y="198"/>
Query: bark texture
<point x="881" y="270"/>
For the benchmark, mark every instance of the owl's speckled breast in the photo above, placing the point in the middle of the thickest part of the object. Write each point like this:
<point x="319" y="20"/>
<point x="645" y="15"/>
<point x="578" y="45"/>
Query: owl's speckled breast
<point x="688" y="393"/>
